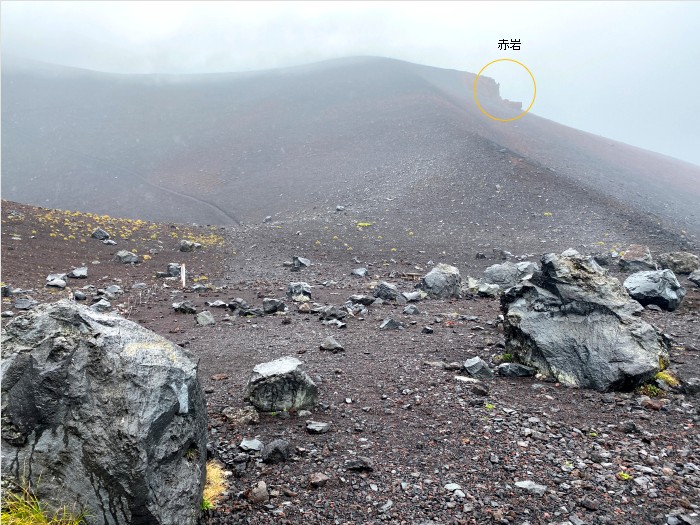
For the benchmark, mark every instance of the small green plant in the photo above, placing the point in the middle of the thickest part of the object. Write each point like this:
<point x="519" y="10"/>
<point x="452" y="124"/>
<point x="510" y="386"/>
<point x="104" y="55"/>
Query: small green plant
<point x="623" y="476"/>
<point x="364" y="224"/>
<point x="650" y="390"/>
<point x="21" y="507"/>
<point x="592" y="434"/>
<point x="206" y="504"/>
<point x="489" y="406"/>
<point x="506" y="358"/>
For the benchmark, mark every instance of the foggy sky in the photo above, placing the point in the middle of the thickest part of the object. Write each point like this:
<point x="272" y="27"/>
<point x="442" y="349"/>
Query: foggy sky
<point x="625" y="70"/>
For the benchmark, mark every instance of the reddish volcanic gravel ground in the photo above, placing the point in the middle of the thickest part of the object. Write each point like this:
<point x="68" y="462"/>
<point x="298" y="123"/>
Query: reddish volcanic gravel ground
<point x="396" y="397"/>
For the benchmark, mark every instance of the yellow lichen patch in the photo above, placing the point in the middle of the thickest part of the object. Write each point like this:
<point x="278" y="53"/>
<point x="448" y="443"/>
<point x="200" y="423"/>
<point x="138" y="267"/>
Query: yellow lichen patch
<point x="215" y="484"/>
<point x="668" y="378"/>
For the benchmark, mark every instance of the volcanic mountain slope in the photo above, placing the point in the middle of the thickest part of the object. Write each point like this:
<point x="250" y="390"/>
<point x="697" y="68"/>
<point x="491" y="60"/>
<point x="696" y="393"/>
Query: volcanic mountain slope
<point x="380" y="135"/>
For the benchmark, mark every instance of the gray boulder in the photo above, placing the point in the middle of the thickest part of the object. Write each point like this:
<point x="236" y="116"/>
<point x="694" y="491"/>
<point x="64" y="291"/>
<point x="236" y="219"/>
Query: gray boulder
<point x="174" y="270"/>
<point x="186" y="246"/>
<point x="331" y="345"/>
<point x="205" y="318"/>
<point x="276" y="451"/>
<point x="78" y="273"/>
<point x="695" y="277"/>
<point x="126" y="257"/>
<point x="515" y="370"/>
<point x="637" y="258"/>
<point x="659" y="287"/>
<point x="575" y="323"/>
<point x="478" y="368"/>
<point x="300" y="262"/>
<point x="679" y="262"/>
<point x="488" y="290"/>
<point x="299" y="291"/>
<point x="100" y="234"/>
<point x="102" y="413"/>
<point x="411" y="309"/>
<point x="509" y="274"/>
<point x="271" y="305"/>
<point x="386" y="291"/>
<point x="442" y="282"/>
<point x="280" y="385"/>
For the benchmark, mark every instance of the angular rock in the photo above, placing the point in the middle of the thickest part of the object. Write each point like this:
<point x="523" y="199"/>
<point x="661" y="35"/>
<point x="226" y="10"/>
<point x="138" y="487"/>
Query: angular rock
<point x="386" y="291"/>
<point x="216" y="304"/>
<point x="79" y="296"/>
<point x="205" y="318"/>
<point x="573" y="322"/>
<point x="126" y="404"/>
<point x="679" y="262"/>
<point x="637" y="258"/>
<point x="109" y="242"/>
<point x="280" y="385"/>
<point x="100" y="234"/>
<point x="25" y="304"/>
<point x="186" y="246"/>
<point x="365" y="300"/>
<point x="478" y="368"/>
<point x="488" y="290"/>
<point x="126" y="257"/>
<point x="78" y="273"/>
<point x="359" y="272"/>
<point x="318" y="479"/>
<point x="359" y="464"/>
<point x="101" y="306"/>
<point x="331" y="345"/>
<point x="317" y="427"/>
<point x="658" y="287"/>
<point x="411" y="310"/>
<point x="276" y="451"/>
<point x="695" y="277"/>
<point x="515" y="370"/>
<point x="56" y="283"/>
<point x="427" y="330"/>
<point x="300" y="262"/>
<point x="334" y="322"/>
<point x="258" y="494"/>
<point x="185" y="307"/>
<point x="389" y="324"/>
<point x="268" y="218"/>
<point x="56" y="277"/>
<point x="442" y="282"/>
<point x="271" y="305"/>
<point x="299" y="291"/>
<point x="332" y="312"/>
<point x="414" y="297"/>
<point x="531" y="487"/>
<point x="251" y="445"/>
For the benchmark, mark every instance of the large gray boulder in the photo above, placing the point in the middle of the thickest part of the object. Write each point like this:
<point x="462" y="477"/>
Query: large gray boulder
<point x="280" y="385"/>
<point x="509" y="274"/>
<point x="573" y="322"/>
<point x="386" y="291"/>
<point x="637" y="258"/>
<point x="442" y="282"/>
<point x="100" y="412"/>
<point x="679" y="262"/>
<point x="659" y="287"/>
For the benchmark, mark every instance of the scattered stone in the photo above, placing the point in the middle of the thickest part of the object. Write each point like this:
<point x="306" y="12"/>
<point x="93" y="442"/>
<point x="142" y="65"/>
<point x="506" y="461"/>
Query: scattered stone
<point x="318" y="480"/>
<point x="637" y="258"/>
<point x="114" y="289"/>
<point x="186" y="246"/>
<point x="442" y="282"/>
<point x="271" y="305"/>
<point x="79" y="296"/>
<point x="101" y="306"/>
<point x="679" y="262"/>
<point x="331" y="345"/>
<point x="7" y="313"/>
<point x="216" y="304"/>
<point x="515" y="370"/>
<point x="109" y="242"/>
<point x="573" y="322"/>
<point x="280" y="385"/>
<point x="364" y="300"/>
<point x="25" y="304"/>
<point x="197" y="287"/>
<point x="478" y="368"/>
<point x="386" y="291"/>
<point x="658" y="287"/>
<point x="359" y="464"/>
<point x="299" y="291"/>
<point x="57" y="283"/>
<point x="488" y="290"/>
<point x="61" y="365"/>
<point x="360" y="272"/>
<point x="389" y="324"/>
<point x="56" y="277"/>
<point x="334" y="322"/>
<point x="258" y="494"/>
<point x="78" y="273"/>
<point x="100" y="234"/>
<point x="276" y="451"/>
<point x="695" y="277"/>
<point x="317" y="427"/>
<point x="242" y="416"/>
<point x="411" y="310"/>
<point x="480" y="389"/>
<point x="531" y="487"/>
<point x="126" y="257"/>
<point x="185" y="307"/>
<point x="300" y="262"/>
<point x="427" y="330"/>
<point x="205" y="318"/>
<point x="267" y="219"/>
<point x="414" y="297"/>
<point x="251" y="445"/>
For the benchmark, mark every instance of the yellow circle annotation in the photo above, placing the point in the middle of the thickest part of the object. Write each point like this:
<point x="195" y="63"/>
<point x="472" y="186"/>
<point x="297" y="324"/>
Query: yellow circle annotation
<point x="476" y="98"/>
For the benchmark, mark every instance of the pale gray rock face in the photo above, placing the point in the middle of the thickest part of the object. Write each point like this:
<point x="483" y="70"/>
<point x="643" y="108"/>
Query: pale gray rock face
<point x="478" y="368"/>
<point x="101" y="412"/>
<point x="299" y="290"/>
<point x="679" y="262"/>
<point x="280" y="385"/>
<point x="575" y="323"/>
<point x="658" y="287"/>
<point x="100" y="234"/>
<point x="442" y="282"/>
<point x="695" y="277"/>
<point x="126" y="257"/>
<point x="509" y="274"/>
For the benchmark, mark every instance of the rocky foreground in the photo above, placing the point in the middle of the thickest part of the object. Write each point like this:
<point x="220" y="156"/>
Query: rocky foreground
<point x="403" y="429"/>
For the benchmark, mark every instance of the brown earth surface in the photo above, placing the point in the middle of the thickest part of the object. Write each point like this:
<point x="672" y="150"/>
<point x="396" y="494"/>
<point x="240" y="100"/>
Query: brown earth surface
<point x="391" y="396"/>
